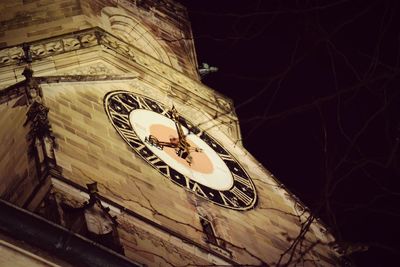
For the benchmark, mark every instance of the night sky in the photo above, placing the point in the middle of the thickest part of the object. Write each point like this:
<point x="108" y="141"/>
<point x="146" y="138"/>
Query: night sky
<point x="316" y="88"/>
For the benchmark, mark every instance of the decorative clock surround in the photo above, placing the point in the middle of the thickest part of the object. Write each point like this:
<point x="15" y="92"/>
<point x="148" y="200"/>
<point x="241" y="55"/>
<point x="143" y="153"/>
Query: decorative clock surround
<point x="183" y="153"/>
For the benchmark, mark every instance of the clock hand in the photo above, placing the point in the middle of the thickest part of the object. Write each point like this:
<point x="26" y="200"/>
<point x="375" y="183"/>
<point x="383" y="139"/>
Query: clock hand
<point x="185" y="152"/>
<point x="182" y="136"/>
<point x="185" y="148"/>
<point x="181" y="146"/>
<point x="175" y="118"/>
<point x="152" y="140"/>
<point x="181" y="149"/>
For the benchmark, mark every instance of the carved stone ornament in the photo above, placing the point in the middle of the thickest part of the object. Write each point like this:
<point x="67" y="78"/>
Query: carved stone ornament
<point x="11" y="55"/>
<point x="99" y="220"/>
<point x="90" y="219"/>
<point x="37" y="116"/>
<point x="224" y="104"/>
<point x="97" y="69"/>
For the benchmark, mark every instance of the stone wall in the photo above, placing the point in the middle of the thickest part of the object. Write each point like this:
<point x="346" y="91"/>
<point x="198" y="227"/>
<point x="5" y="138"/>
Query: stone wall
<point x="163" y="26"/>
<point x="18" y="174"/>
<point x="91" y="150"/>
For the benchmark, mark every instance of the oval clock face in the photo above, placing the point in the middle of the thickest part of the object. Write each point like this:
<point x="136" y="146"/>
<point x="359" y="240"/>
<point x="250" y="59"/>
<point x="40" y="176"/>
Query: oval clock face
<point x="180" y="151"/>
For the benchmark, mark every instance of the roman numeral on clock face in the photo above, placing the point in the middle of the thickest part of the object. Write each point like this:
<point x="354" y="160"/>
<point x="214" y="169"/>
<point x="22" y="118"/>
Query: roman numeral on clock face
<point x="242" y="180"/>
<point x="195" y="187"/>
<point x="226" y="157"/>
<point x="241" y="195"/>
<point x="143" y="104"/>
<point x="153" y="159"/>
<point x="159" y="164"/>
<point x="132" y="138"/>
<point x="121" y="120"/>
<point x="164" y="169"/>
<point x="235" y="194"/>
<point x="165" y="113"/>
<point x="125" y="104"/>
<point x="228" y="201"/>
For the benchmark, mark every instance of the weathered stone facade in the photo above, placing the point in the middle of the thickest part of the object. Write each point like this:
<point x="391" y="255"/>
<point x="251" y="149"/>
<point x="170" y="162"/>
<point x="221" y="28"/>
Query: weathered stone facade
<point x="81" y="50"/>
<point x="159" y="28"/>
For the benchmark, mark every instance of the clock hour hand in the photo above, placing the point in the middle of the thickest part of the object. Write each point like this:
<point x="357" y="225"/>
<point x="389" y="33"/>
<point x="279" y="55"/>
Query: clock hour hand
<point x="182" y="149"/>
<point x="174" y="143"/>
<point x="152" y="140"/>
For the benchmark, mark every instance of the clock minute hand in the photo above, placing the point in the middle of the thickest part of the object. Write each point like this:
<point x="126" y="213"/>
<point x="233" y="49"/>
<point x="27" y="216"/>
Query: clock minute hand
<point x="183" y="144"/>
<point x="175" y="118"/>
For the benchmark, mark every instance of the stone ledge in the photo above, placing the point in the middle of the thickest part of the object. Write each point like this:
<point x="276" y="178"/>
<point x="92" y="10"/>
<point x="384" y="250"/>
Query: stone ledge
<point x="26" y="226"/>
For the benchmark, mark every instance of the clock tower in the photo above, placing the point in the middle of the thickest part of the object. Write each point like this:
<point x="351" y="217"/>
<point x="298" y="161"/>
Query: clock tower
<point x="114" y="153"/>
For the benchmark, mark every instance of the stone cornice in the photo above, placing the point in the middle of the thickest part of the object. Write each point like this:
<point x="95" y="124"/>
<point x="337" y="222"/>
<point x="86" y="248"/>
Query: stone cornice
<point x="37" y="231"/>
<point x="38" y="50"/>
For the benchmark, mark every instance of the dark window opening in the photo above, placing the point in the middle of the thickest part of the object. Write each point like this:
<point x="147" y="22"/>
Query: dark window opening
<point x="208" y="231"/>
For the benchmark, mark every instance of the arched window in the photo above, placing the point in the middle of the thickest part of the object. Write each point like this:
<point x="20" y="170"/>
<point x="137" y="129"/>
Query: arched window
<point x="138" y="35"/>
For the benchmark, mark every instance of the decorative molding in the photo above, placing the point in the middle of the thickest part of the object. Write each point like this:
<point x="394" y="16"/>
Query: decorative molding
<point x="40" y="136"/>
<point x="37" y="112"/>
<point x="224" y="104"/>
<point x="83" y="78"/>
<point x="97" y="69"/>
<point x="37" y="116"/>
<point x="48" y="47"/>
<point x="11" y="55"/>
<point x="98" y="37"/>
